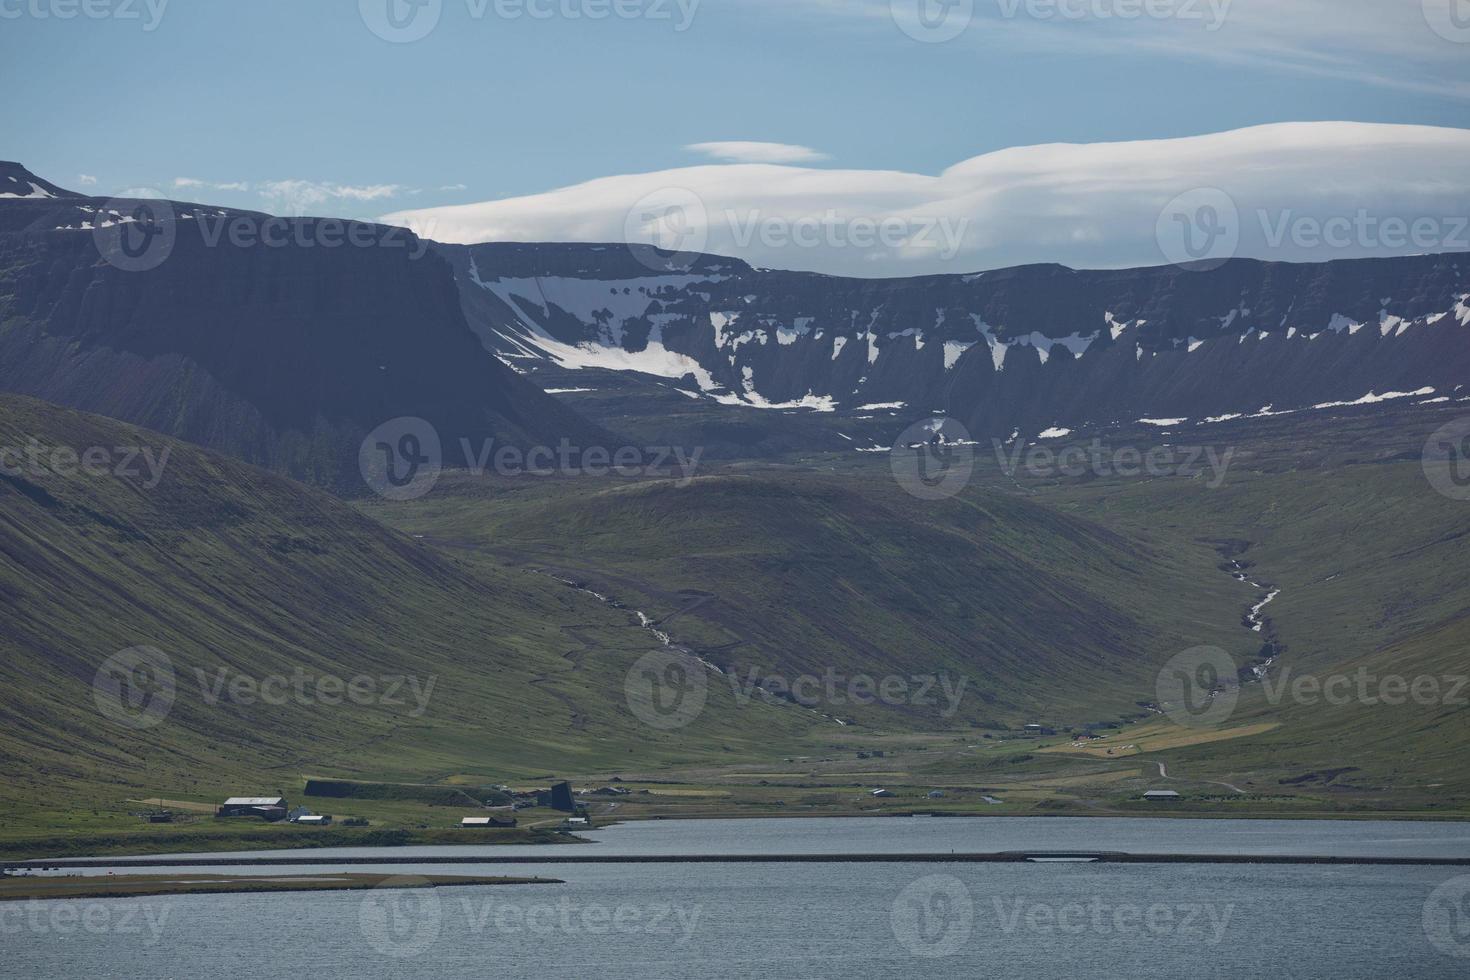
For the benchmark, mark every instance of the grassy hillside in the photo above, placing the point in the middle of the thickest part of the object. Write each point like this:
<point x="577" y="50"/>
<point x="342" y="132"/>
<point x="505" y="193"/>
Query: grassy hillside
<point x="1061" y="598"/>
<point x="789" y="571"/>
<point x="1055" y="599"/>
<point x="1336" y="512"/>
<point x="235" y="573"/>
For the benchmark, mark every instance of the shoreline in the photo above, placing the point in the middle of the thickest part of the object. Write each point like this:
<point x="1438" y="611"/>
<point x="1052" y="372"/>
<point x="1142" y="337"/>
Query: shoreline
<point x="28" y="888"/>
<point x="951" y="857"/>
<point x="15" y="853"/>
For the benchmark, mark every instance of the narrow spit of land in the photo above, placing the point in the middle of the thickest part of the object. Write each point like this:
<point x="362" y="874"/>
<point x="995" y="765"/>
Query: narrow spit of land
<point x="1001" y="857"/>
<point x="26" y="887"/>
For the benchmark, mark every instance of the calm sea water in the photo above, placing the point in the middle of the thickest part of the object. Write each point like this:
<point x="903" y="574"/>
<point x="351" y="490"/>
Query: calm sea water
<point x="851" y="921"/>
<point x="895" y="835"/>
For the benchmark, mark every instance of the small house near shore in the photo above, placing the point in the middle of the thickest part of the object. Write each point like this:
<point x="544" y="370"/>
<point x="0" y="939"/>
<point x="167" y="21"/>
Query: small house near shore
<point x="1161" y="795"/>
<point x="486" y="822"/>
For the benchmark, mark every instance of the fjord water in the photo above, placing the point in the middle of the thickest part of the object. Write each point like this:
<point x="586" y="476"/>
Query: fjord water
<point x="927" y="835"/>
<point x="815" y="920"/>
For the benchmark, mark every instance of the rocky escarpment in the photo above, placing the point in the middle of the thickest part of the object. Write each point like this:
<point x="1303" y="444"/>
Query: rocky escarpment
<point x="1030" y="349"/>
<point x="282" y="342"/>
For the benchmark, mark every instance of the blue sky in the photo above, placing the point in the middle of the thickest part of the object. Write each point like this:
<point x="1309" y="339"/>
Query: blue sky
<point x="303" y="105"/>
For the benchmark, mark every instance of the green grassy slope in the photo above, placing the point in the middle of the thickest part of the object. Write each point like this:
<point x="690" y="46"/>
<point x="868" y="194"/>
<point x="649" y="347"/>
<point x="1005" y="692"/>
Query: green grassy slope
<point x="1061" y="597"/>
<point x="225" y="567"/>
<point x="1335" y="511"/>
<point x="791" y="571"/>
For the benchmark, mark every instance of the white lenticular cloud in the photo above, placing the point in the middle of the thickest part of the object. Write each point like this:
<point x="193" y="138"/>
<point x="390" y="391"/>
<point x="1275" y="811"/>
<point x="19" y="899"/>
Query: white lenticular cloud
<point x="193" y="183"/>
<point x="744" y="151"/>
<point x="298" y="196"/>
<point x="1290" y="192"/>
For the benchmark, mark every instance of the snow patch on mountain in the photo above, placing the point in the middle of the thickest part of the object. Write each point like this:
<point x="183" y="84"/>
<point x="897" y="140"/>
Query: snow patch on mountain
<point x="36" y="193"/>
<point x="1373" y="399"/>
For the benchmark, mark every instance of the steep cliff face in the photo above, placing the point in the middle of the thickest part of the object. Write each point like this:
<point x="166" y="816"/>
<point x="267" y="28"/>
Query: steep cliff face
<point x="1028" y="348"/>
<point x="282" y="342"/>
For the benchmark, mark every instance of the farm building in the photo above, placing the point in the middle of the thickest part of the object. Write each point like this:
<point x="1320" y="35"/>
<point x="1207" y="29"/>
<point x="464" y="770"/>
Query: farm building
<point x="487" y="822"/>
<point x="315" y="820"/>
<point x="559" y="797"/>
<point x="1161" y="795"/>
<point x="262" y="807"/>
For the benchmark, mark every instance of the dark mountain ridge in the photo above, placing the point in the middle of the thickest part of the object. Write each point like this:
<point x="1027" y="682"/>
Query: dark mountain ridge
<point x="1027" y="348"/>
<point x="280" y="341"/>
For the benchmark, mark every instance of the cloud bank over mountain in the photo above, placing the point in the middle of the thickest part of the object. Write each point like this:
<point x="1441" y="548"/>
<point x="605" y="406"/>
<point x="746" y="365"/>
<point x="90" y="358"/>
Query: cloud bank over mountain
<point x="1290" y="191"/>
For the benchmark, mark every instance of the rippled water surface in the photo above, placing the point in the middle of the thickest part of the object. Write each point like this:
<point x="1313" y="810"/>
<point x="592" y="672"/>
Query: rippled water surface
<point x="864" y="920"/>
